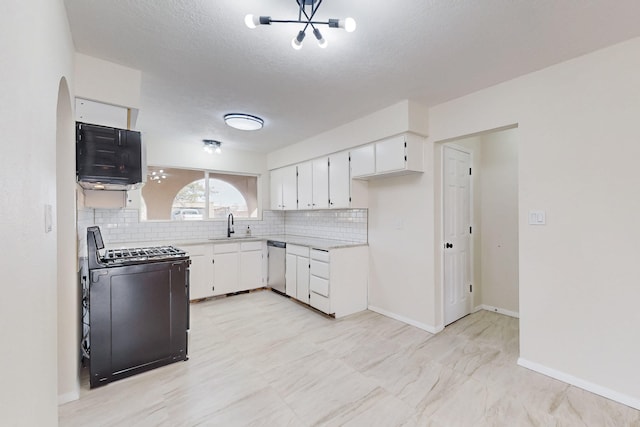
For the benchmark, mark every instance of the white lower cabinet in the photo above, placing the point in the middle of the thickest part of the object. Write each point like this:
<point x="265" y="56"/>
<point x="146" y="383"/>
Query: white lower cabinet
<point x="333" y="281"/>
<point x="338" y="280"/>
<point x="225" y="268"/>
<point x="220" y="269"/>
<point x="251" y="265"/>
<point x="200" y="271"/>
<point x="297" y="272"/>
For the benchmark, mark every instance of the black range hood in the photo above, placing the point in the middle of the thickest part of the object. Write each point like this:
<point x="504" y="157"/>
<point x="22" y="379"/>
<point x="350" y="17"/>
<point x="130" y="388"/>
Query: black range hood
<point x="108" y="158"/>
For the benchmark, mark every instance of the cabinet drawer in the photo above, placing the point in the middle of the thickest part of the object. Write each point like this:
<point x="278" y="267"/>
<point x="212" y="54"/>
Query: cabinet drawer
<point x="321" y="303"/>
<point x="250" y="246"/>
<point x="320" y="269"/>
<point x="319" y="285"/>
<point x="226" y="248"/>
<point x="320" y="255"/>
<point x="298" y="250"/>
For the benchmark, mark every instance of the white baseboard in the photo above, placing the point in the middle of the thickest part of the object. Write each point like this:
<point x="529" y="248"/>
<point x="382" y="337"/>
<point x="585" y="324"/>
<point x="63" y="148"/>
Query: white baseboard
<point x="580" y="383"/>
<point x="68" y="397"/>
<point x="423" y="326"/>
<point x="497" y="310"/>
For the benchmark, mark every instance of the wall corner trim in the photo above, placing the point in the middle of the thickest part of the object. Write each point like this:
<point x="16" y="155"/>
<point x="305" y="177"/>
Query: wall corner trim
<point x="630" y="401"/>
<point x="419" y="325"/>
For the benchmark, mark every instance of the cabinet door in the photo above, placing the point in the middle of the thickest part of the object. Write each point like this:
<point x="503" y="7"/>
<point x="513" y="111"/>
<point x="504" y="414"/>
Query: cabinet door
<point x="225" y="273"/>
<point x="276" y="189"/>
<point x="305" y="186"/>
<point x="200" y="272"/>
<point x="390" y="154"/>
<point x="290" y="275"/>
<point x="339" y="180"/>
<point x="250" y="270"/>
<point x="363" y="161"/>
<point x="321" y="183"/>
<point x="289" y="188"/>
<point x="302" y="279"/>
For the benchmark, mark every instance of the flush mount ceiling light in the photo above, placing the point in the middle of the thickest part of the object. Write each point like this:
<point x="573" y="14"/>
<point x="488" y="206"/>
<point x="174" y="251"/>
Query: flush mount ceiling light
<point x="243" y="121"/>
<point x="306" y="11"/>
<point x="211" y="145"/>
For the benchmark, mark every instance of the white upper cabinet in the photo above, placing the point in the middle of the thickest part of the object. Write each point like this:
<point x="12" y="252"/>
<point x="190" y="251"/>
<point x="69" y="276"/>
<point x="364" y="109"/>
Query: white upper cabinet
<point x="313" y="184"/>
<point x="305" y="186"/>
<point x="284" y="188"/>
<point x="339" y="181"/>
<point x="363" y="161"/>
<point x="398" y="155"/>
<point x="99" y="113"/>
<point x="391" y="154"/>
<point x="321" y="183"/>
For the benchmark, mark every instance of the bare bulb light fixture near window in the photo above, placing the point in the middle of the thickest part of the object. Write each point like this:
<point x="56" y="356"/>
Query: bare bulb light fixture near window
<point x="306" y="12"/>
<point x="157" y="176"/>
<point x="211" y="146"/>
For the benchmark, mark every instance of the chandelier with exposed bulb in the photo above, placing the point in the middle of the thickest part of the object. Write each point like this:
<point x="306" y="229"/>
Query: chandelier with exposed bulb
<point x="306" y="12"/>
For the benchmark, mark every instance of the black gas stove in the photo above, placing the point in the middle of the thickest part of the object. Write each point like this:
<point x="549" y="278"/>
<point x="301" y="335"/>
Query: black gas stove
<point x="120" y="257"/>
<point x="138" y="309"/>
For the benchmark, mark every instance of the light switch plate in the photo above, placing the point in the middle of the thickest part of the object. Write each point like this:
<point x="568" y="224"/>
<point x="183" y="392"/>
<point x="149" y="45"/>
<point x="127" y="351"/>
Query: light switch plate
<point x="537" y="218"/>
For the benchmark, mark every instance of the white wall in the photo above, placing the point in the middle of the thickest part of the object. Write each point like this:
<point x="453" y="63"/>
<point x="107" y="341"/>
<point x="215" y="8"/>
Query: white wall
<point x="67" y="257"/>
<point x="578" y="151"/>
<point x="498" y="250"/>
<point x="189" y="154"/>
<point x="401" y="250"/>
<point x="398" y="118"/>
<point x="104" y="81"/>
<point x="37" y="52"/>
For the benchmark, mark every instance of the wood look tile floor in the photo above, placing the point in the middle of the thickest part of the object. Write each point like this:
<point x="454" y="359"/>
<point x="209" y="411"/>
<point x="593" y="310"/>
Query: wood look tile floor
<point x="260" y="359"/>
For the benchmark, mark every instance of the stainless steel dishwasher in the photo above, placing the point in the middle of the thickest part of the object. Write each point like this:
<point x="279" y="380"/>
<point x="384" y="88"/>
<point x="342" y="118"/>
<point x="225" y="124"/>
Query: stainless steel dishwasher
<point x="276" y="252"/>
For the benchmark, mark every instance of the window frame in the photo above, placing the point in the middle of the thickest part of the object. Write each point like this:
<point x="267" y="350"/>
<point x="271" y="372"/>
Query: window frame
<point x="206" y="177"/>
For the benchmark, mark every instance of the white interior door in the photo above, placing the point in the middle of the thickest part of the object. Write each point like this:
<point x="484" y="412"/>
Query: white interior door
<point x="456" y="234"/>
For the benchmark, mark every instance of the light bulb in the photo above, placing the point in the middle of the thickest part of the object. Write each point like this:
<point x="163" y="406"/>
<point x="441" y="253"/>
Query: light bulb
<point x="349" y="25"/>
<point x="321" y="41"/>
<point x="296" y="43"/>
<point x="251" y="21"/>
<point x="218" y="150"/>
<point x="208" y="149"/>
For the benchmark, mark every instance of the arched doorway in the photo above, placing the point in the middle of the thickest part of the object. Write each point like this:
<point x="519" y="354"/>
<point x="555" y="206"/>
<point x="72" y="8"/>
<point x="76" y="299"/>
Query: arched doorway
<point x="66" y="250"/>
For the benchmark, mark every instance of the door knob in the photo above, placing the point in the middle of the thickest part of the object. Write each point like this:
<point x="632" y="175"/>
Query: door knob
<point x="448" y="245"/>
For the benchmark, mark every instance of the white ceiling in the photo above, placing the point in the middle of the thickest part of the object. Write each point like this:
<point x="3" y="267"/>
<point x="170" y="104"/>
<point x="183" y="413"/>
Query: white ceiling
<point x="199" y="61"/>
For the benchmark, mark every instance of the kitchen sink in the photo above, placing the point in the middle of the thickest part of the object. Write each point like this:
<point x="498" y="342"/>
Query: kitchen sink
<point x="234" y="238"/>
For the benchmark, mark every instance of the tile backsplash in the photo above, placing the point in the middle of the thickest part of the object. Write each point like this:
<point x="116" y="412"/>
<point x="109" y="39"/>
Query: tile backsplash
<point x="123" y="226"/>
<point x="338" y="224"/>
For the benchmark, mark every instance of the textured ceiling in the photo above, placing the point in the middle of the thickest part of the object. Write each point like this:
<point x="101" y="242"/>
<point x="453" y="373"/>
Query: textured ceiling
<point x="199" y="61"/>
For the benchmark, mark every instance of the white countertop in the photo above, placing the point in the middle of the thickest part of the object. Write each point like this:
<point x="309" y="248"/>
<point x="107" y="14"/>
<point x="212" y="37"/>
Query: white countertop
<point x="311" y="242"/>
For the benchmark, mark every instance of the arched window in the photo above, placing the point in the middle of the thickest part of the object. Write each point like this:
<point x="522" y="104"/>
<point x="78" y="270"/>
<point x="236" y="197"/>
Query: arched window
<point x="188" y="194"/>
<point x="189" y="203"/>
<point x="224" y="199"/>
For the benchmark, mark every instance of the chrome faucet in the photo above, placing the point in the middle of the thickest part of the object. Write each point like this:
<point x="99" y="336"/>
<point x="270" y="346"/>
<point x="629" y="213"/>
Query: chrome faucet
<point x="230" y="225"/>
